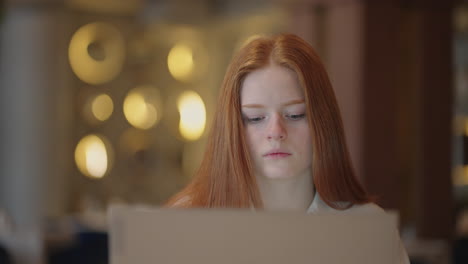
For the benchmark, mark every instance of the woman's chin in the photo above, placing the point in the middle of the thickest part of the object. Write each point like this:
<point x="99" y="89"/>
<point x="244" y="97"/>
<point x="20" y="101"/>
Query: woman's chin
<point x="278" y="175"/>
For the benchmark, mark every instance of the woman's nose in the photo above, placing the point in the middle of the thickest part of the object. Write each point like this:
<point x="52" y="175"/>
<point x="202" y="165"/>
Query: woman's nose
<point x="276" y="129"/>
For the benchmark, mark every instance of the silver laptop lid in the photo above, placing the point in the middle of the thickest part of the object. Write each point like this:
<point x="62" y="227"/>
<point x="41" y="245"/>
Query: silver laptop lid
<point x="195" y="236"/>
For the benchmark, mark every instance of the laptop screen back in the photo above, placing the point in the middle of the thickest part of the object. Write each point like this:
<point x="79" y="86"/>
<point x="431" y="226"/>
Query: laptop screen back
<point x="195" y="236"/>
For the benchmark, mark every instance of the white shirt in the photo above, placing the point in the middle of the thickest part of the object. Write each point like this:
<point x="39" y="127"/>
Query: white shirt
<point x="319" y="206"/>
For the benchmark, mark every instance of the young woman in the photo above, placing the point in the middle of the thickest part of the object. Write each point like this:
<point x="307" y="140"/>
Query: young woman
<point x="277" y="140"/>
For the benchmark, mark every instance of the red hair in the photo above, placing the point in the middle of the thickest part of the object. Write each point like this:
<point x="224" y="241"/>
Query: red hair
<point x="225" y="177"/>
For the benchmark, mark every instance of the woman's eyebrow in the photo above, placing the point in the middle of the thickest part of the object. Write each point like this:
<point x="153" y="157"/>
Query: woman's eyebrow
<point x="292" y="102"/>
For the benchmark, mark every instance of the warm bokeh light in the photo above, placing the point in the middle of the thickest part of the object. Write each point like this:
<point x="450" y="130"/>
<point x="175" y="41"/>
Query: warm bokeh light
<point x="460" y="175"/>
<point x="142" y="107"/>
<point x="92" y="156"/>
<point x="192" y="115"/>
<point x="96" y="53"/>
<point x="102" y="107"/>
<point x="180" y="62"/>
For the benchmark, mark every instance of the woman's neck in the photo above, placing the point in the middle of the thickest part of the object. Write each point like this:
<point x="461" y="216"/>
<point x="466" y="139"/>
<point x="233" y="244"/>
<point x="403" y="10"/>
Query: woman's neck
<point x="292" y="194"/>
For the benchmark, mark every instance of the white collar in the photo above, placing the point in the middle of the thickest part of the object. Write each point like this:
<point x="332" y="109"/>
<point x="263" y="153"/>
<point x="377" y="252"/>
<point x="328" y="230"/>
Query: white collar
<point x="318" y="205"/>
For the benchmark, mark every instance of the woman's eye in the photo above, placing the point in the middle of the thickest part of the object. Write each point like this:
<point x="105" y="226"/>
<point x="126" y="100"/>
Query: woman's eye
<point x="295" y="117"/>
<point x="254" y="119"/>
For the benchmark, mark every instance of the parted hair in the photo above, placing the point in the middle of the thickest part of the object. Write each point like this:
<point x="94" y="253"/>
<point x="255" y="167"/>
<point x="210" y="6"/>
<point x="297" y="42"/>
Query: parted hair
<point x="225" y="177"/>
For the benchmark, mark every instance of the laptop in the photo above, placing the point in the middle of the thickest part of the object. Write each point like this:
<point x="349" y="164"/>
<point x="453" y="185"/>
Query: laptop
<point x="202" y="236"/>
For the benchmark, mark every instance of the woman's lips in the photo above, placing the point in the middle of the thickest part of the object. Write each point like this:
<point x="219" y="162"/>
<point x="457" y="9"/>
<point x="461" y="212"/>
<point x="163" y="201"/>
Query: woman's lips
<point x="277" y="155"/>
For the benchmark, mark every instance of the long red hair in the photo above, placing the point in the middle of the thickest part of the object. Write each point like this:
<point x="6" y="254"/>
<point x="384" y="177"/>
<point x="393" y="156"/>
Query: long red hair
<point x="225" y="177"/>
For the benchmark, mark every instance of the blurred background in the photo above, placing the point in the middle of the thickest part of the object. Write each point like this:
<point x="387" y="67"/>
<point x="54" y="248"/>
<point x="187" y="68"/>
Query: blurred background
<point x="109" y="102"/>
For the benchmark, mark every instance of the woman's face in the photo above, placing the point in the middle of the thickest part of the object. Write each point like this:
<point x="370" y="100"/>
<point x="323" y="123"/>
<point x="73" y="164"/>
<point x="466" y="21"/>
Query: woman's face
<point x="276" y="126"/>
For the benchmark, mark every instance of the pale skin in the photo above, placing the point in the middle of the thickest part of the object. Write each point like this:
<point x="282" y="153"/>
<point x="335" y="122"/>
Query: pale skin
<point x="279" y="139"/>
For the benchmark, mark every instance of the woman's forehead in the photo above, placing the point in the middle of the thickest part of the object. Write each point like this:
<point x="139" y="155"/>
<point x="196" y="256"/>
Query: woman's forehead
<point x="271" y="84"/>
